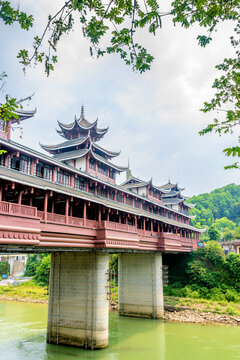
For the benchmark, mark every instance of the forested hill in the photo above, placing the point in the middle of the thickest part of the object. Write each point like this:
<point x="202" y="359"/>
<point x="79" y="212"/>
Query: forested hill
<point x="219" y="203"/>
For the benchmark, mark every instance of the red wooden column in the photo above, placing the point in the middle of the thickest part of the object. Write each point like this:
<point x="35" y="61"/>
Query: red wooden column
<point x="45" y="205"/>
<point x="20" y="197"/>
<point x="71" y="180"/>
<point x="7" y="160"/>
<point x="99" y="213"/>
<point x="151" y="225"/>
<point x="135" y="220"/>
<point x="84" y="212"/>
<point x="32" y="167"/>
<point x="96" y="168"/>
<point x="54" y="173"/>
<point x="1" y="193"/>
<point x="66" y="209"/>
<point x="108" y="214"/>
<point x="87" y="163"/>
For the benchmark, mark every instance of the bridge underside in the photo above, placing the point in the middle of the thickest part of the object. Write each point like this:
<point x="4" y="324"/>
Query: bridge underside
<point x="78" y="299"/>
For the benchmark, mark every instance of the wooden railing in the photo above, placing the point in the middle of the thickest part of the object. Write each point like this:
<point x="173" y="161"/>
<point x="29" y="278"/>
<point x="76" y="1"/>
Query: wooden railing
<point x="117" y="226"/>
<point x="17" y="209"/>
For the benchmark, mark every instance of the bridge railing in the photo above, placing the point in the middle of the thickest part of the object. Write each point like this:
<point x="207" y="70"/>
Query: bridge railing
<point x="117" y="226"/>
<point x="17" y="209"/>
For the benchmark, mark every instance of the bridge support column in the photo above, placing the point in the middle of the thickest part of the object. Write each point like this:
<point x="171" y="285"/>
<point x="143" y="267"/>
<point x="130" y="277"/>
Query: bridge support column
<point x="140" y="285"/>
<point x="78" y="304"/>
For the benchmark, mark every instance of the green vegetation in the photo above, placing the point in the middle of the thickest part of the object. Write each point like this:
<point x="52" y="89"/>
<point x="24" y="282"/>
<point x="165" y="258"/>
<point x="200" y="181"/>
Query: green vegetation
<point x="207" y="274"/>
<point x="219" y="212"/>
<point x="4" y="268"/>
<point x="205" y="305"/>
<point x="28" y="291"/>
<point x="38" y="267"/>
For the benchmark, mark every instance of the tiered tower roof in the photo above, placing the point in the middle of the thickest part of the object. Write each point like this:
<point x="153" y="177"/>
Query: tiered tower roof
<point x="81" y="137"/>
<point x="81" y="127"/>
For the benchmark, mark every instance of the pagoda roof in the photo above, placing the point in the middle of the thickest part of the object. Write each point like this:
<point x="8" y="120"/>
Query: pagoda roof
<point x="135" y="179"/>
<point x="23" y="115"/>
<point x="76" y="142"/>
<point x="141" y="183"/>
<point x="171" y="193"/>
<point x="189" y="205"/>
<point x="172" y="201"/>
<point x="108" y="152"/>
<point x="82" y="124"/>
<point x="107" y="162"/>
<point x="136" y="185"/>
<point x="64" y="145"/>
<point x="170" y="186"/>
<point x="69" y="155"/>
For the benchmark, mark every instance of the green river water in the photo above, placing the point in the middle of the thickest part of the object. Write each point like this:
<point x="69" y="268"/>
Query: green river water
<point x="23" y="328"/>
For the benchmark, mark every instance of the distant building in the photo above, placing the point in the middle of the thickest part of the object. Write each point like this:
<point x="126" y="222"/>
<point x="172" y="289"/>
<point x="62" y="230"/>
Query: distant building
<point x="231" y="246"/>
<point x="17" y="262"/>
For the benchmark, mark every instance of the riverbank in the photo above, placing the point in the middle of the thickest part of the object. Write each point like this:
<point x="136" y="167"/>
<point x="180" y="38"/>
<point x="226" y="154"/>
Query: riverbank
<point x="185" y="310"/>
<point x="26" y="292"/>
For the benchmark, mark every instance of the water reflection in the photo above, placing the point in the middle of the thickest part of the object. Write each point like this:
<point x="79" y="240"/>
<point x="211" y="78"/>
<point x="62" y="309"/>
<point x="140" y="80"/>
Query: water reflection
<point x="23" y="328"/>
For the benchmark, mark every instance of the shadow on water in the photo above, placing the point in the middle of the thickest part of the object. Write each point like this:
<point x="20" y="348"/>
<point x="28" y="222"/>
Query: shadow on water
<point x="23" y="328"/>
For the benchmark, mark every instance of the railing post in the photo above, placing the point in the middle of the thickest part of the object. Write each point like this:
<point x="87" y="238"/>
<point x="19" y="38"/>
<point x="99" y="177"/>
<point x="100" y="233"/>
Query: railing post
<point x="99" y="213"/>
<point x="66" y="209"/>
<point x="7" y="160"/>
<point x="20" y="197"/>
<point x="84" y="212"/>
<point x="45" y="205"/>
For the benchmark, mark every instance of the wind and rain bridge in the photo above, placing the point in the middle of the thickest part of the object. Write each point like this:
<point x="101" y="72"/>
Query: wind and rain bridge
<point x="68" y="203"/>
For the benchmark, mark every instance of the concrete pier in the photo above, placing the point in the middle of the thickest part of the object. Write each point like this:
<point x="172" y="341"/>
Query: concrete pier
<point x="140" y="291"/>
<point x="78" y="304"/>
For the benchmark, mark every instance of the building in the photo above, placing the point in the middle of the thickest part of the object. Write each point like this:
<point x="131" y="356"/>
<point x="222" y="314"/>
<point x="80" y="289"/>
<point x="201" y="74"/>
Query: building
<point x="17" y="262"/>
<point x="77" y="179"/>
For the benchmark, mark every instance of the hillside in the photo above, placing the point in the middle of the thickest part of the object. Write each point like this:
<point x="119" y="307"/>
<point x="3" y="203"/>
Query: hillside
<point x="222" y="203"/>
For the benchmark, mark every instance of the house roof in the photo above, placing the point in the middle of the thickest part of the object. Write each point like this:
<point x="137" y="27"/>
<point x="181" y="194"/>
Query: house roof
<point x="64" y="145"/>
<point x="82" y="124"/>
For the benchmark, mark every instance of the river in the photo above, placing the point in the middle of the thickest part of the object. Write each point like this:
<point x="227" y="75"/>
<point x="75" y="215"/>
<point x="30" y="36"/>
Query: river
<point x="23" y="329"/>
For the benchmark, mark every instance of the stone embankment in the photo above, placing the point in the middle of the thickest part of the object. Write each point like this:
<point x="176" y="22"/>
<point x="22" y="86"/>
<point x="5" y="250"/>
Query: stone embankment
<point x="199" y="317"/>
<point x="187" y="315"/>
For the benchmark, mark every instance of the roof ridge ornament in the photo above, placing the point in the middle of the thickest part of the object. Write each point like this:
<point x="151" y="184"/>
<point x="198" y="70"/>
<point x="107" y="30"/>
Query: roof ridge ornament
<point x="82" y="112"/>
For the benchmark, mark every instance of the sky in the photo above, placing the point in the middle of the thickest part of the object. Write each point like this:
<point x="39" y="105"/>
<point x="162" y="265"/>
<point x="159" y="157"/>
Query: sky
<point x="153" y="118"/>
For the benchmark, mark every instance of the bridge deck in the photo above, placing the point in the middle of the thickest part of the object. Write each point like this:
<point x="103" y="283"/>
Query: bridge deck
<point x="26" y="226"/>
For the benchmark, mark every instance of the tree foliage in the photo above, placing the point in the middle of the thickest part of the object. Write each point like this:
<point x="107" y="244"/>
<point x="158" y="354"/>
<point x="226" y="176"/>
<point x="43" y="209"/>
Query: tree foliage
<point x="120" y="22"/>
<point x="33" y="262"/>
<point x="42" y="271"/>
<point x="227" y="99"/>
<point x="213" y="233"/>
<point x="220" y="207"/>
<point x="4" y="268"/>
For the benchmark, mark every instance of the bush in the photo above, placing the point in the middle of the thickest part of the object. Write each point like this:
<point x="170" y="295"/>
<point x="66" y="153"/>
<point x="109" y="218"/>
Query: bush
<point x="33" y="262"/>
<point x="4" y="268"/>
<point x="42" y="271"/>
